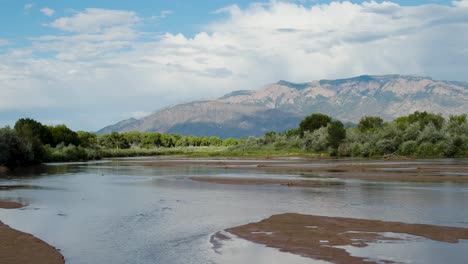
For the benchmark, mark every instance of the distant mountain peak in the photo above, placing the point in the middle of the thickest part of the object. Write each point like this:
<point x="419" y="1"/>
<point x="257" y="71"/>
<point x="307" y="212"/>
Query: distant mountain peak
<point x="280" y="106"/>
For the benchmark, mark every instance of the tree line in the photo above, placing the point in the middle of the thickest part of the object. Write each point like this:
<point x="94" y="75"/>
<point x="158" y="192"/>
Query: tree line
<point x="30" y="142"/>
<point x="420" y="134"/>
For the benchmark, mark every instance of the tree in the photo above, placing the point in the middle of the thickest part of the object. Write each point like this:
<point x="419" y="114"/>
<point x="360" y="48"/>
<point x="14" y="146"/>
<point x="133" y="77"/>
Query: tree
<point x="87" y="139"/>
<point x="370" y="123"/>
<point x="114" y="140"/>
<point x="151" y="140"/>
<point x="35" y="134"/>
<point x="62" y="134"/>
<point x="215" y="141"/>
<point x="133" y="137"/>
<point x="31" y="129"/>
<point x="317" y="140"/>
<point x="314" y="122"/>
<point x="14" y="150"/>
<point x="336" y="134"/>
<point x="230" y="142"/>
<point x="425" y="118"/>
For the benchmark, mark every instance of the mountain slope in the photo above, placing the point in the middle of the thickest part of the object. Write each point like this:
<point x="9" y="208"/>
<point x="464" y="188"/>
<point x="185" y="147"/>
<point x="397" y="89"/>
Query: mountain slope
<point x="280" y="106"/>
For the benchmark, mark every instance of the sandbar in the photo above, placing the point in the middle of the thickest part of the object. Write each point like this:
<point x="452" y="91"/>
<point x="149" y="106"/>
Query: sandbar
<point x="317" y="236"/>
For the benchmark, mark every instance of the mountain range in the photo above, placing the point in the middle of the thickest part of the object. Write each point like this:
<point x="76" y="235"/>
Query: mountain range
<point x="281" y="106"/>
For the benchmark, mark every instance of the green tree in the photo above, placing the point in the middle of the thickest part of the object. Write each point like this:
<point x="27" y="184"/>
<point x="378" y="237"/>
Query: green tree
<point x="114" y="140"/>
<point x="216" y="141"/>
<point x="134" y="138"/>
<point x="370" y="123"/>
<point x="151" y="140"/>
<point x="62" y="134"/>
<point x="336" y="134"/>
<point x="425" y="118"/>
<point x="87" y="139"/>
<point x="230" y="142"/>
<point x="35" y="134"/>
<point x="31" y="129"/>
<point x="314" y="122"/>
<point x="14" y="150"/>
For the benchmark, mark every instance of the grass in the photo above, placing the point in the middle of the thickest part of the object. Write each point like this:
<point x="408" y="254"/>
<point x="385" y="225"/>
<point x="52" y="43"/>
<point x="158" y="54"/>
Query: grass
<point x="207" y="152"/>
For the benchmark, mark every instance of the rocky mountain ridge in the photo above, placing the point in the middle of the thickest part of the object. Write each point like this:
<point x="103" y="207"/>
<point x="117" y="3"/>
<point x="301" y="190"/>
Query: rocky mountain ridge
<point x="280" y="106"/>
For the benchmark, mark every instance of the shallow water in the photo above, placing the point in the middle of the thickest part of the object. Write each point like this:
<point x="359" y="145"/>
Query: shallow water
<point x="112" y="212"/>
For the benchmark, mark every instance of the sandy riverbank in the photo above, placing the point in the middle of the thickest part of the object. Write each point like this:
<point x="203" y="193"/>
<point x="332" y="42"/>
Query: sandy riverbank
<point x="315" y="236"/>
<point x="21" y="248"/>
<point x="408" y="171"/>
<point x="10" y="205"/>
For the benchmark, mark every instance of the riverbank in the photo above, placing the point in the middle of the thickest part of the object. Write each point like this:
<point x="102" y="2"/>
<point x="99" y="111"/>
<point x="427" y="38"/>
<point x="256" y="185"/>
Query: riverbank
<point x="404" y="170"/>
<point x="10" y="205"/>
<point x="319" y="237"/>
<point x="21" y="248"/>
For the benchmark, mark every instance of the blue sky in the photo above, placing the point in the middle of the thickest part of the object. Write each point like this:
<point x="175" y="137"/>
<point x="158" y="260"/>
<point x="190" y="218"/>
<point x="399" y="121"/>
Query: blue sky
<point x="91" y="63"/>
<point x="187" y="16"/>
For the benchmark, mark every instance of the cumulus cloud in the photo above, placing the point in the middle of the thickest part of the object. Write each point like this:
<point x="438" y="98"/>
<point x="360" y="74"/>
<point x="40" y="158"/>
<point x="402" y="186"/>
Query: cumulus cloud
<point x="94" y="20"/>
<point x="28" y="6"/>
<point x="108" y="66"/>
<point x="462" y="3"/>
<point x="47" y="11"/>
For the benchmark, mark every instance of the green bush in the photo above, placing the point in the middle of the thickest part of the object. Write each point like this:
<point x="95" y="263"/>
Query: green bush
<point x="14" y="150"/>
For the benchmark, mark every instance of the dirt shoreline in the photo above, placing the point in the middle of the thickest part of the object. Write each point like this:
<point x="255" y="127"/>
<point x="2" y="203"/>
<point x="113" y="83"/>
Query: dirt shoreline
<point x="316" y="236"/>
<point x="383" y="170"/>
<point x="17" y="247"/>
<point x="10" y="205"/>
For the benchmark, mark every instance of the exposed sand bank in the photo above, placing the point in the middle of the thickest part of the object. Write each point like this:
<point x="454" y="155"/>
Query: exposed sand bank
<point x="21" y="248"/>
<point x="315" y="236"/>
<point x="246" y="181"/>
<point x="342" y="169"/>
<point x="10" y="205"/>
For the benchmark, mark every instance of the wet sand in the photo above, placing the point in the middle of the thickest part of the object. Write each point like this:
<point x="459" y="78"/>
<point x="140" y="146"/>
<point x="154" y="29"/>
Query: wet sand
<point x="10" y="205"/>
<point x="21" y="248"/>
<point x="249" y="181"/>
<point x="408" y="171"/>
<point x="316" y="236"/>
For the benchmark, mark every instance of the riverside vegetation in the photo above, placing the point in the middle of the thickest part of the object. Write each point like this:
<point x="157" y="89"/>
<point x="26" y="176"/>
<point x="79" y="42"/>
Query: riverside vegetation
<point x="420" y="134"/>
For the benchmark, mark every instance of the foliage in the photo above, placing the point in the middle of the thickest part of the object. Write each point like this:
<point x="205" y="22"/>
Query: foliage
<point x="370" y="123"/>
<point x="336" y="135"/>
<point x="314" y="122"/>
<point x="62" y="134"/>
<point x="14" y="150"/>
<point x="420" y="134"/>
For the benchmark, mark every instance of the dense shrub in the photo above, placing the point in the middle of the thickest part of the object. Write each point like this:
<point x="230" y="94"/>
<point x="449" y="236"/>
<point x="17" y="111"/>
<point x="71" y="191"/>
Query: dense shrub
<point x="14" y="150"/>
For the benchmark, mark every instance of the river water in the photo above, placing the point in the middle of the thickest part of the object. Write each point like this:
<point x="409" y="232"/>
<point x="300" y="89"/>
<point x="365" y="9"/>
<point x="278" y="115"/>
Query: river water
<point x="116" y="212"/>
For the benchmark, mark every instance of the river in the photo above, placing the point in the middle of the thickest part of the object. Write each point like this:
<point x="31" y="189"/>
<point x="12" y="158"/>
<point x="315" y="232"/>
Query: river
<point x="119" y="211"/>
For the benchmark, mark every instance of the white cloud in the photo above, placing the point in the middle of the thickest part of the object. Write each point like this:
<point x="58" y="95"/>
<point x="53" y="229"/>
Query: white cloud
<point x="101" y="65"/>
<point x="48" y="11"/>
<point x="28" y="6"/>
<point x="4" y="42"/>
<point x="165" y="13"/>
<point x="135" y="114"/>
<point x="462" y="3"/>
<point x="95" y="20"/>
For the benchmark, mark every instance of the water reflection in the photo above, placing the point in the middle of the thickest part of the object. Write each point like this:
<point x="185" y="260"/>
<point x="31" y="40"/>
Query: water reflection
<point x="115" y="212"/>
